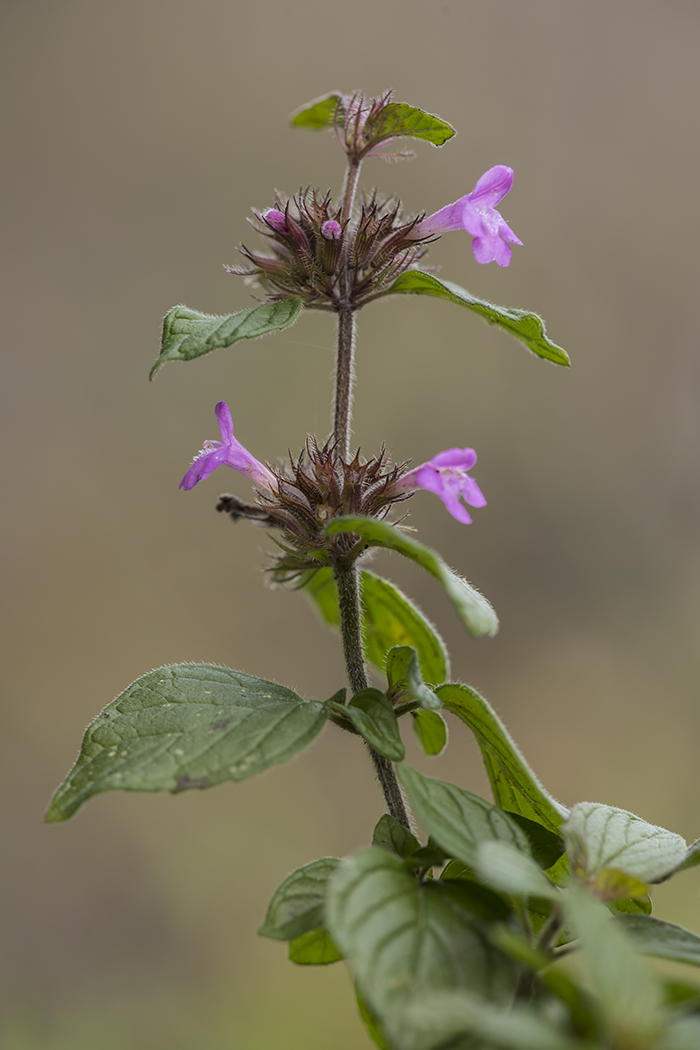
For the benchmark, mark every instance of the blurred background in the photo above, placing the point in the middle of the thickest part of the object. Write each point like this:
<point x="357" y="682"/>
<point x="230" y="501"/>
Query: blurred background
<point x="137" y="136"/>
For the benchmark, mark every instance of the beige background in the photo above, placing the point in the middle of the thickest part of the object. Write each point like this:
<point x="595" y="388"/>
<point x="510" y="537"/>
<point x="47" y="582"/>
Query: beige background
<point x="137" y="136"/>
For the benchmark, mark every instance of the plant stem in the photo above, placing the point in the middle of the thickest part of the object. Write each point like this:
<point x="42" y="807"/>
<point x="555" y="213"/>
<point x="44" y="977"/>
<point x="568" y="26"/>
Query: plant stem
<point x="344" y="375"/>
<point x="351" y="630"/>
<point x="346" y="577"/>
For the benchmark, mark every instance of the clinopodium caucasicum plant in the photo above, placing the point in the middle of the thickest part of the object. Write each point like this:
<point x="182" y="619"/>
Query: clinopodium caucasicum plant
<point x="517" y="923"/>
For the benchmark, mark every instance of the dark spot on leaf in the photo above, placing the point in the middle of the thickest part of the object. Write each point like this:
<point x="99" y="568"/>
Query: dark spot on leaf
<point x="186" y="783"/>
<point x="222" y="723"/>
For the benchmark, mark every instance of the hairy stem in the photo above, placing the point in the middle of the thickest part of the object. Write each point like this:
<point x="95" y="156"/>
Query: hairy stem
<point x="351" y="630"/>
<point x="344" y="375"/>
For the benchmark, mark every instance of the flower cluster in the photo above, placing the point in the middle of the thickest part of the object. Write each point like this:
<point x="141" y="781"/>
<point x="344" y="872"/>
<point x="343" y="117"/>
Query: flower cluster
<point x="319" y="485"/>
<point x="328" y="263"/>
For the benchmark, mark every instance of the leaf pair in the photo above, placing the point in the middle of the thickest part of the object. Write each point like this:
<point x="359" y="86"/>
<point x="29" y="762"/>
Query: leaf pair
<point x="394" y="120"/>
<point x="188" y="334"/>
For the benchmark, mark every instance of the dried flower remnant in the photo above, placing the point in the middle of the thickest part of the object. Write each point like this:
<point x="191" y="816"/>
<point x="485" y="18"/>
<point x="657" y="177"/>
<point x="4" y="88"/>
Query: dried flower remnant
<point x="228" y="452"/>
<point x="476" y="213"/>
<point x="446" y="475"/>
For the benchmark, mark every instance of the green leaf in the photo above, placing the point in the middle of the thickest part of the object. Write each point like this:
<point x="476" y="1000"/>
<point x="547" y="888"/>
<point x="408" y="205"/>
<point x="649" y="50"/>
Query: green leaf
<point x="443" y="1016"/>
<point x="187" y="726"/>
<point x="374" y="719"/>
<point x="515" y="787"/>
<point x="394" y="837"/>
<point x="405" y="679"/>
<point x="524" y="325"/>
<point x="296" y="907"/>
<point x="547" y="847"/>
<point x="458" y="820"/>
<point x="188" y="334"/>
<point x="632" y="905"/>
<point x="371" y="1023"/>
<point x="399" y="119"/>
<point x="318" y="114"/>
<point x="405" y="938"/>
<point x="603" y="837"/>
<point x="508" y="870"/>
<point x="628" y="994"/>
<point x="431" y="731"/>
<point x="314" y="948"/>
<point x="691" y="860"/>
<point x="388" y="619"/>
<point x="472" y="608"/>
<point x="662" y="939"/>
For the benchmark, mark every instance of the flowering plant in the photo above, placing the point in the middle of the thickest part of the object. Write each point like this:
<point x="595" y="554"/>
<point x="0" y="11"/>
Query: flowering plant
<point x="455" y="942"/>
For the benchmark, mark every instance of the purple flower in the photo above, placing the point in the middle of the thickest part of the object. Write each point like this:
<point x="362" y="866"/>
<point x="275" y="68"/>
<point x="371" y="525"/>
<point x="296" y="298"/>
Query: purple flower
<point x="230" y="452"/>
<point x="476" y="213"/>
<point x="446" y="476"/>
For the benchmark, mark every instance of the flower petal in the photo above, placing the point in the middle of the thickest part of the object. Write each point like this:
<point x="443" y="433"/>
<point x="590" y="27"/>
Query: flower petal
<point x="455" y="457"/>
<point x="203" y="466"/>
<point x="471" y="493"/>
<point x="493" y="185"/>
<point x="223" y="414"/>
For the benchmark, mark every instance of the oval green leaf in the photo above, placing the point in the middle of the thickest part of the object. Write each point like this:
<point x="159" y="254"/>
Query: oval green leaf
<point x="187" y="726"/>
<point x="458" y="820"/>
<point x="317" y="115"/>
<point x="431" y="730"/>
<point x="297" y="904"/>
<point x="523" y="324"/>
<point x="188" y="334"/>
<point x="374" y="719"/>
<point x="405" y="938"/>
<point x="399" y="119"/>
<point x="662" y="939"/>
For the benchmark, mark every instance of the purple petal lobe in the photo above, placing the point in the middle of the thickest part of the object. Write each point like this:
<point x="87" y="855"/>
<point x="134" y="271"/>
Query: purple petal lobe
<point x="493" y="185"/>
<point x="229" y="452"/>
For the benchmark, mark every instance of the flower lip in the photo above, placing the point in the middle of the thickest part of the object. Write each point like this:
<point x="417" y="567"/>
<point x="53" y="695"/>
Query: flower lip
<point x="228" y="452"/>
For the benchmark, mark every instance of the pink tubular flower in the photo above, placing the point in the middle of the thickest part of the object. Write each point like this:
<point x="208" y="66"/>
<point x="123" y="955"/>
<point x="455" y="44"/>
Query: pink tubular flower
<point x="446" y="476"/>
<point x="476" y="213"/>
<point x="230" y="452"/>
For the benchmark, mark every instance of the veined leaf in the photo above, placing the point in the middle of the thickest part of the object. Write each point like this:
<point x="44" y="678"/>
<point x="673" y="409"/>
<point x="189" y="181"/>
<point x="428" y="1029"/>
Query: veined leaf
<point x="188" y="334"/>
<point x="527" y="327"/>
<point x="187" y="726"/>
<point x="318" y="114"/>
<point x="374" y="719"/>
<point x="394" y="837"/>
<point x="297" y="904"/>
<point x="389" y="618"/>
<point x="399" y="119"/>
<point x="473" y="609"/>
<point x="662" y="939"/>
<point x="405" y="938"/>
<point x="515" y="787"/>
<point x="600" y="838"/>
<point x="458" y="820"/>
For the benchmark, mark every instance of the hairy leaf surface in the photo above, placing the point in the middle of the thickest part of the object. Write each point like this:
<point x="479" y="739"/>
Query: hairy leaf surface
<point x="187" y="726"/>
<point x="188" y="334"/>
<point x="527" y="327"/>
<point x="473" y="609"/>
<point x="297" y="904"/>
